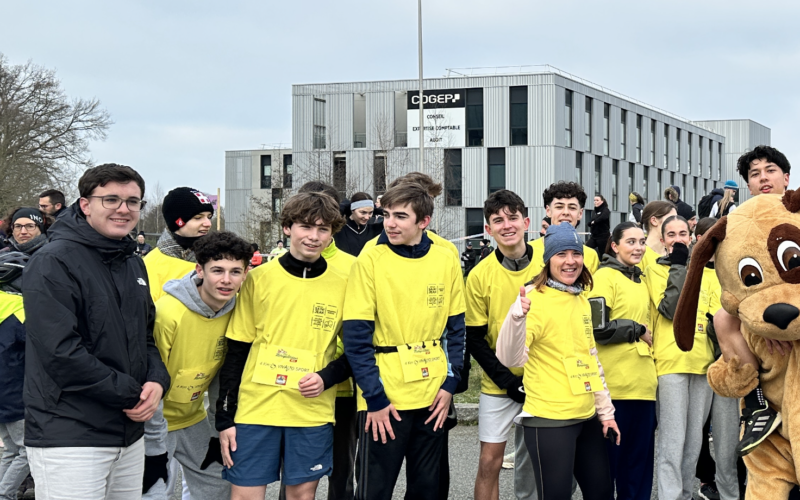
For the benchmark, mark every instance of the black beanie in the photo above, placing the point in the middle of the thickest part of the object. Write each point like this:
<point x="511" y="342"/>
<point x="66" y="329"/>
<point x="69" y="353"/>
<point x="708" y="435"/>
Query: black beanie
<point x="182" y="204"/>
<point x="33" y="214"/>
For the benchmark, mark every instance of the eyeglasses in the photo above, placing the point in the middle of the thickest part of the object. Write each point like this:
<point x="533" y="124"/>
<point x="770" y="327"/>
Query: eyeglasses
<point x="27" y="227"/>
<point x="44" y="207"/>
<point x="114" y="202"/>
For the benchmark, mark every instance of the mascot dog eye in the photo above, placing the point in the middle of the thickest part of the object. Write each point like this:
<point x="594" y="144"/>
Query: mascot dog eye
<point x="750" y="272"/>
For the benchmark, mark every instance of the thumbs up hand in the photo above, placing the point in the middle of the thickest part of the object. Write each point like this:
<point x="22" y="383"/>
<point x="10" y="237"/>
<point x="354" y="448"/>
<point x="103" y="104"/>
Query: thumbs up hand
<point x="524" y="301"/>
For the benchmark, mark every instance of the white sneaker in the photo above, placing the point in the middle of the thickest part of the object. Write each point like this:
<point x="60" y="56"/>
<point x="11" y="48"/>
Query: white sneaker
<point x="508" y="461"/>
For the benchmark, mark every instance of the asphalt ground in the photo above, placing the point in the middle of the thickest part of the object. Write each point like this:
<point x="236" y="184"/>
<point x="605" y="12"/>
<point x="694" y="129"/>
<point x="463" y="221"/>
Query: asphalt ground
<point x="464" y="452"/>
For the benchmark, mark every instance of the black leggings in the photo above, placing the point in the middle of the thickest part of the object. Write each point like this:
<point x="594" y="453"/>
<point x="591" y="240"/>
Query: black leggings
<point x="558" y="453"/>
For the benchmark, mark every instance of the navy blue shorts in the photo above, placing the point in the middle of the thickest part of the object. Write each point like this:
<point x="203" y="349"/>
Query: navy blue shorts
<point x="307" y="454"/>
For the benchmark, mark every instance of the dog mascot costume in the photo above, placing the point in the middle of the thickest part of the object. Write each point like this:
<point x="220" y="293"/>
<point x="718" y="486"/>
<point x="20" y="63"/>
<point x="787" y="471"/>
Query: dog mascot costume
<point x="757" y="259"/>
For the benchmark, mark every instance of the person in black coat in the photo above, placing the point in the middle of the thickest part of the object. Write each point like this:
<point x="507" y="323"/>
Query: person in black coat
<point x="360" y="226"/>
<point x="93" y="374"/>
<point x="673" y="194"/>
<point x="600" y="226"/>
<point x="468" y="258"/>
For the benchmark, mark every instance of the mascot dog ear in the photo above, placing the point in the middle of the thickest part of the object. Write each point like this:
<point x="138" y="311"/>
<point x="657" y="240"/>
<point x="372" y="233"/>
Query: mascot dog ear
<point x="684" y="322"/>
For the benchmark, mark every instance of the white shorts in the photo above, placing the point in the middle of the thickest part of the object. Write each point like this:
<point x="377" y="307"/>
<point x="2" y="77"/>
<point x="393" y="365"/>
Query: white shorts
<point x="495" y="416"/>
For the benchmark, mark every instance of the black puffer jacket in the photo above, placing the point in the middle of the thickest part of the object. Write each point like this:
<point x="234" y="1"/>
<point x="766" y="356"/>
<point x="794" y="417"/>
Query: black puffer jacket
<point x="90" y="348"/>
<point x="600" y="226"/>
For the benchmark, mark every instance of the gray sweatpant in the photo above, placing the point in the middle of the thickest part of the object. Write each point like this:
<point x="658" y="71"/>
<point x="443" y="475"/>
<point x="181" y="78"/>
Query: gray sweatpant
<point x="725" y="429"/>
<point x="188" y="447"/>
<point x="683" y="404"/>
<point x="14" y="462"/>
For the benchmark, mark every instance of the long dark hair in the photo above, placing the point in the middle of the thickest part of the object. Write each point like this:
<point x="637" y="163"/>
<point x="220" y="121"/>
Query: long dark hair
<point x="616" y="235"/>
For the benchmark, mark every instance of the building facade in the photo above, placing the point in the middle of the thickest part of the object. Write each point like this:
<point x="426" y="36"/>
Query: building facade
<point x="517" y="131"/>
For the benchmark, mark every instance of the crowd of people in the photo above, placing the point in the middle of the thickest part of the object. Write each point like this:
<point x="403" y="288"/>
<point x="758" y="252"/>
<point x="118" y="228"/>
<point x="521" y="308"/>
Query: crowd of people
<point x="126" y="366"/>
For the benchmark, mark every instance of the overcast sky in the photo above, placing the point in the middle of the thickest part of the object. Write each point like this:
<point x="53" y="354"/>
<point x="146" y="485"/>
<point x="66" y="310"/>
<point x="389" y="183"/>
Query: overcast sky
<point x="186" y="81"/>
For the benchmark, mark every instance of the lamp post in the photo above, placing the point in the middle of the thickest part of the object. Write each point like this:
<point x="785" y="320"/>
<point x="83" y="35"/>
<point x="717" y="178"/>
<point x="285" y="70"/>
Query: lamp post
<point x="421" y="94"/>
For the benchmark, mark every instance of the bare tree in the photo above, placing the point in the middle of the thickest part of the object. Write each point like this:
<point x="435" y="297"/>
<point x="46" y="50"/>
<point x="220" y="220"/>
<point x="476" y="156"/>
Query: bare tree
<point x="259" y="225"/>
<point x="44" y="135"/>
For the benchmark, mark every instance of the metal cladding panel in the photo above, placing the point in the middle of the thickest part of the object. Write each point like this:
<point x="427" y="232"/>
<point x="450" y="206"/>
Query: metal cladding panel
<point x="529" y="170"/>
<point x="597" y="127"/>
<point x="401" y="161"/>
<point x="380" y="120"/>
<point x="475" y="176"/>
<point x="428" y="83"/>
<point x="545" y="111"/>
<point x="359" y="170"/>
<point x="605" y="180"/>
<point x="759" y="135"/>
<point x="646" y="141"/>
<point x="559" y="110"/>
<point x="715" y="159"/>
<point x="449" y="223"/>
<point x="564" y="167"/>
<point x="238" y="184"/>
<point x="672" y="154"/>
<point x="339" y="114"/>
<point x="735" y="132"/>
<point x="302" y="122"/>
<point x="659" y="146"/>
<point x="684" y="151"/>
<point x="614" y="132"/>
<point x="495" y="116"/>
<point x="630" y="152"/>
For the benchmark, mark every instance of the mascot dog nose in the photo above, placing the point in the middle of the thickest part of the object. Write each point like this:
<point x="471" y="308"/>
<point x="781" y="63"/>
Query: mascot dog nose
<point x="781" y="315"/>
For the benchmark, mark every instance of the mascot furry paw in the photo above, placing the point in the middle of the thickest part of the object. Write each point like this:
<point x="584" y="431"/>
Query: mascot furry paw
<point x="757" y="258"/>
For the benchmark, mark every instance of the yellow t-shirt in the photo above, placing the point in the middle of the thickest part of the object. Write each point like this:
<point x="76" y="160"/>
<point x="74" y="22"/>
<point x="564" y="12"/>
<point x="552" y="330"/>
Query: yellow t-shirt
<point x="650" y="257"/>
<point x="410" y="301"/>
<point x="435" y="238"/>
<point x="669" y="357"/>
<point x="559" y="325"/>
<point x="193" y="349"/>
<point x="11" y="304"/>
<point x="491" y="290"/>
<point x="299" y="318"/>
<point x="590" y="259"/>
<point x="162" y="268"/>
<point x="342" y="261"/>
<point x="629" y="367"/>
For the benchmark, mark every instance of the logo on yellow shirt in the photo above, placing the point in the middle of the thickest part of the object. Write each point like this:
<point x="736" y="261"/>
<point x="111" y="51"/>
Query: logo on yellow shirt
<point x="435" y="295"/>
<point x="425" y="372"/>
<point x="283" y="354"/>
<point x="281" y="379"/>
<point x="323" y="317"/>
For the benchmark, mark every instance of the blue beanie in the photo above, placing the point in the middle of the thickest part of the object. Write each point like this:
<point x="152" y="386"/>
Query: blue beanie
<point x="731" y="184"/>
<point x="561" y="238"/>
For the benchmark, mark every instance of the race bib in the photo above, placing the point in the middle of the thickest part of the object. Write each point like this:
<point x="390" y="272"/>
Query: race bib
<point x="643" y="349"/>
<point x="283" y="366"/>
<point x="421" y="363"/>
<point x="190" y="384"/>
<point x="583" y="374"/>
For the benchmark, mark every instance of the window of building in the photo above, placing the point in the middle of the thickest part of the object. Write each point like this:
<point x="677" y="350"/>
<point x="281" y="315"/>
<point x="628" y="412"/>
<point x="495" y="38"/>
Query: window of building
<point x="677" y="149"/>
<point x="452" y="177"/>
<point x="266" y="171"/>
<point x="475" y="117"/>
<point x="653" y="143"/>
<point x="519" y="115"/>
<point x="645" y="178"/>
<point x="287" y="171"/>
<point x="379" y="172"/>
<point x="475" y="225"/>
<point x="587" y="125"/>
<point x="319" y="123"/>
<point x="689" y="155"/>
<point x="638" y="138"/>
<point x="623" y="133"/>
<point x="401" y="119"/>
<point x="497" y="169"/>
<point x="666" y="145"/>
<point x="598" y="171"/>
<point x="277" y="202"/>
<point x="631" y="176"/>
<point x="340" y="173"/>
<point x="568" y="118"/>
<point x="710" y="144"/>
<point x="359" y="121"/>
<point x="614" y="179"/>
<point x="606" y="127"/>
<point x="719" y="162"/>
<point x="579" y="167"/>
<point x="705" y="187"/>
<point x="672" y="178"/>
